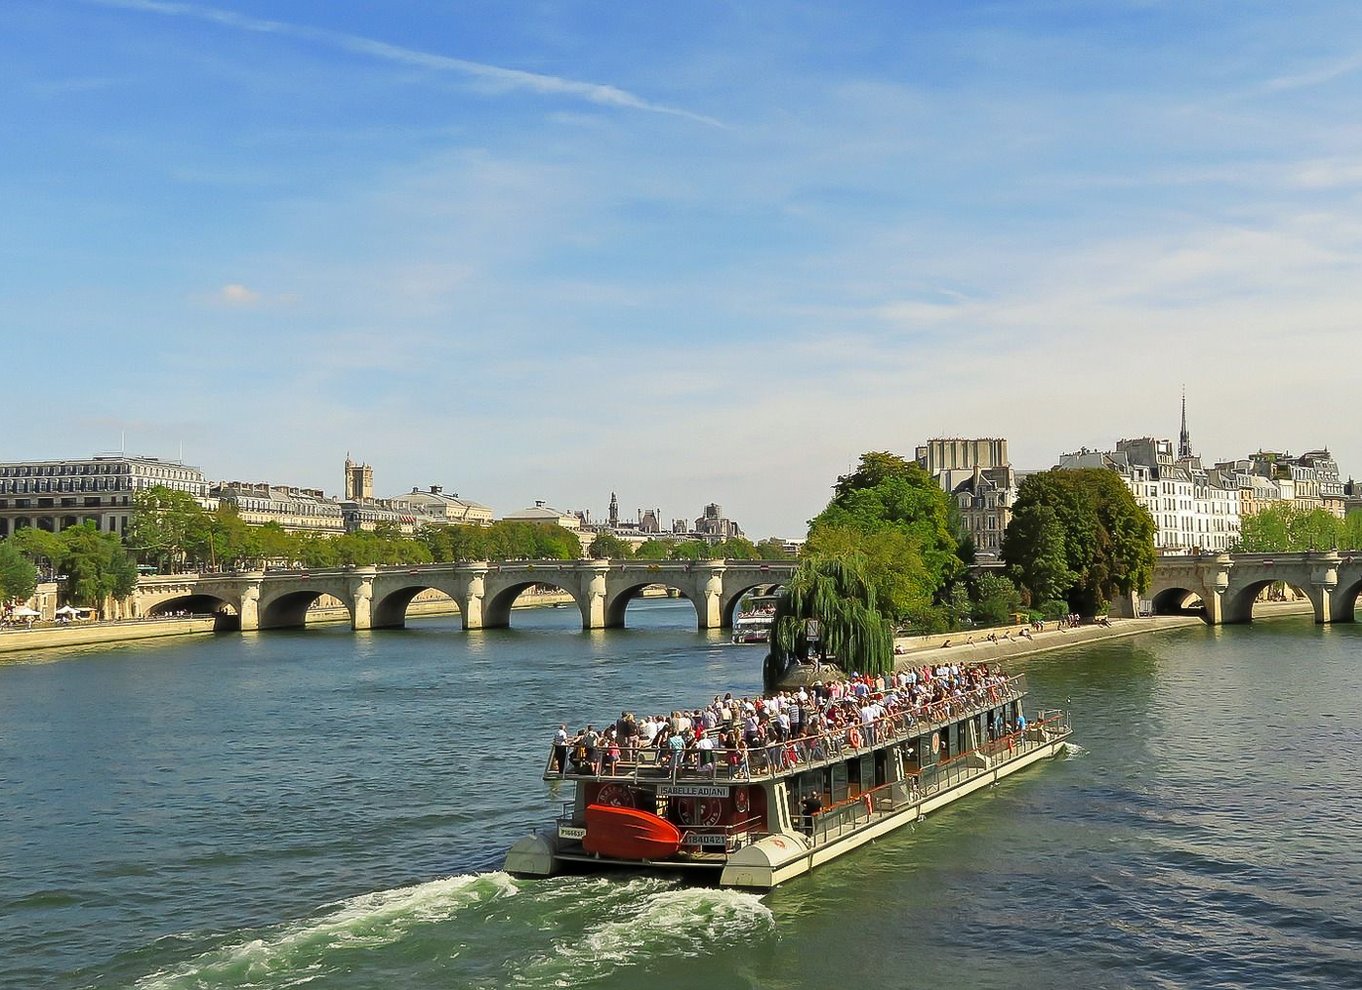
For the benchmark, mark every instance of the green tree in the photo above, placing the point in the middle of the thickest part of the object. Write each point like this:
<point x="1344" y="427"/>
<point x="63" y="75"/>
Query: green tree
<point x="39" y="546"/>
<point x="690" y="550"/>
<point x="168" y="527"/>
<point x="18" y="576"/>
<point x="654" y="549"/>
<point x="734" y="548"/>
<point x="772" y="548"/>
<point x="894" y="514"/>
<point x="608" y="546"/>
<point x="230" y="541"/>
<point x="996" y="600"/>
<point x="96" y="565"/>
<point x="851" y="628"/>
<point x="1107" y="538"/>
<point x="1285" y="528"/>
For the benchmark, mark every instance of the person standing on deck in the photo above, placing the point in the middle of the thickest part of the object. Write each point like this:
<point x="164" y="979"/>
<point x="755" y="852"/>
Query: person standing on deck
<point x="560" y="750"/>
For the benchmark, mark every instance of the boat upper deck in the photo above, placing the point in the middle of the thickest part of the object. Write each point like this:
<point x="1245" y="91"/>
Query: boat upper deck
<point x="788" y="732"/>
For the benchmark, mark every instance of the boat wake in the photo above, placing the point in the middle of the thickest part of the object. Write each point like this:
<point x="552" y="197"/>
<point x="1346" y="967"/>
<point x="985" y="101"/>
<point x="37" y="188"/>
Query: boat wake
<point x="645" y="918"/>
<point x="484" y="930"/>
<point x="307" y="949"/>
<point x="1073" y="751"/>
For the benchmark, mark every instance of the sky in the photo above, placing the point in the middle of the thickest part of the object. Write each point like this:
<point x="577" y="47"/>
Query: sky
<point x="688" y="253"/>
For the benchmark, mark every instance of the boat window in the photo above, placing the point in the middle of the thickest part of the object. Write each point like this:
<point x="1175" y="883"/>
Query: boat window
<point x="839" y="782"/>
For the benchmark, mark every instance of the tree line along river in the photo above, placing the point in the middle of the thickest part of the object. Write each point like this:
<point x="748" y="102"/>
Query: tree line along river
<point x="330" y="809"/>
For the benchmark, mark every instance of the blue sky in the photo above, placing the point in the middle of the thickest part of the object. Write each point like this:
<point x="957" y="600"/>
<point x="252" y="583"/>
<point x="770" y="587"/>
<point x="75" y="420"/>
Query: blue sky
<point x="691" y="252"/>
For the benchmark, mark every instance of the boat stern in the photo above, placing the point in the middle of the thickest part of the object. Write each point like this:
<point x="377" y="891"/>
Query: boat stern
<point x="767" y="862"/>
<point x="532" y="856"/>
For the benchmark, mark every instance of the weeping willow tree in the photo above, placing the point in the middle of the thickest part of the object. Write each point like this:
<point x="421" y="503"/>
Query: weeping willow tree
<point x="850" y="626"/>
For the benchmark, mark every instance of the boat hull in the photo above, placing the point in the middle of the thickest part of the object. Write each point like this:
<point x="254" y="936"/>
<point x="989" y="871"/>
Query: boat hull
<point x="629" y="834"/>
<point x="775" y="859"/>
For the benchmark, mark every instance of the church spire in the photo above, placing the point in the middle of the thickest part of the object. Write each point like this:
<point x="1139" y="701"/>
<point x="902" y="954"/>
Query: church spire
<point x="1184" y="438"/>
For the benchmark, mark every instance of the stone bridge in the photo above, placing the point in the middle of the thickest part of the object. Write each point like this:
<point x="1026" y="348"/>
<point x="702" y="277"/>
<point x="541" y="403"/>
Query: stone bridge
<point x="1227" y="585"/>
<point x="377" y="597"/>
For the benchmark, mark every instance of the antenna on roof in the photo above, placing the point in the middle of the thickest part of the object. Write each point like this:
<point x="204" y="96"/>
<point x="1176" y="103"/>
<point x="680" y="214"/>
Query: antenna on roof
<point x="122" y="441"/>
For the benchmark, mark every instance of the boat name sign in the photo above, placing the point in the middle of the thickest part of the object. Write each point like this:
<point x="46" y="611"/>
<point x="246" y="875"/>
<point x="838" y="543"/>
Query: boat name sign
<point x="692" y="790"/>
<point x="571" y="832"/>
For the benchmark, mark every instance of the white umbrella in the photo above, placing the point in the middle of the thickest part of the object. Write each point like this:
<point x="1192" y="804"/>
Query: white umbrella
<point x="24" y="612"/>
<point x="68" y="610"/>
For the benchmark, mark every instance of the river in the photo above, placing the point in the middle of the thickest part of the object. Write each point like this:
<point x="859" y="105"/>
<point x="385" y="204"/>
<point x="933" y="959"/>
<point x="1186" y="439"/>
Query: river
<point x="328" y="809"/>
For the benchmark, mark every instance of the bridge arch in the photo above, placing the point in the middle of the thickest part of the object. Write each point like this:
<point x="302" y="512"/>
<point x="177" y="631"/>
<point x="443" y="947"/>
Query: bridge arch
<point x="729" y="607"/>
<point x="1239" y="600"/>
<point x="1345" y="597"/>
<point x="617" y="602"/>
<point x="390" y="611"/>
<point x="1180" y="601"/>
<point x="288" y="609"/>
<point x="497" y="605"/>
<point x="227" y="614"/>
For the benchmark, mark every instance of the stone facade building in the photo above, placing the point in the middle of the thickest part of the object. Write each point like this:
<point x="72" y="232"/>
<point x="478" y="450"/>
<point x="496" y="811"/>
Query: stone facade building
<point x="55" y="495"/>
<point x="981" y="482"/>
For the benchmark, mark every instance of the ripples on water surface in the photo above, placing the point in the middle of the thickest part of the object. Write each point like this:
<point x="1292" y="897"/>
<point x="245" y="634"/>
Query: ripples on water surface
<point x="328" y="810"/>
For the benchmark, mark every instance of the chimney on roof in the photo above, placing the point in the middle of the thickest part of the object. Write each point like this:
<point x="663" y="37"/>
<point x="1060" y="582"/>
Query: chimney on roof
<point x="436" y="489"/>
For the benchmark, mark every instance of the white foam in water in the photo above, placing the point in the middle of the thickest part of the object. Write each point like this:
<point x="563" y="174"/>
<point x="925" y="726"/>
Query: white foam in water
<point x="1073" y="751"/>
<point x="294" y="954"/>
<point x="679" y="921"/>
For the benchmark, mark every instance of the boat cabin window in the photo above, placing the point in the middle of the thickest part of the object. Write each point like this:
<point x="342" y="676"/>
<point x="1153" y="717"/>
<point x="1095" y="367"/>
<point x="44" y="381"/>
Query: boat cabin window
<point x="839" y="782"/>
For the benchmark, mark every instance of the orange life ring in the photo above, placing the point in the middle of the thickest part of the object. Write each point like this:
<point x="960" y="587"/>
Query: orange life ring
<point x="854" y="737"/>
<point x="936" y="742"/>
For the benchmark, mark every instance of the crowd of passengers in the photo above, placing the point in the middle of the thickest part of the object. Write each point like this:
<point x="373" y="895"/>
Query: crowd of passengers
<point x="785" y="728"/>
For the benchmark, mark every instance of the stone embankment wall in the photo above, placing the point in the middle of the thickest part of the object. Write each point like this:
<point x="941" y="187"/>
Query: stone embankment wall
<point x="99" y="633"/>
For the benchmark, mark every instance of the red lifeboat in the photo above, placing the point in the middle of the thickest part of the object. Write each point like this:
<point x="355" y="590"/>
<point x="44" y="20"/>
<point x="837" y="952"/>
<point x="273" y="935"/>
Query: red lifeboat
<point x="628" y="833"/>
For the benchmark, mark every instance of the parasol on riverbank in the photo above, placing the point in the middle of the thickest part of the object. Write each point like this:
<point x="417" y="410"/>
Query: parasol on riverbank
<point x="24" y="612"/>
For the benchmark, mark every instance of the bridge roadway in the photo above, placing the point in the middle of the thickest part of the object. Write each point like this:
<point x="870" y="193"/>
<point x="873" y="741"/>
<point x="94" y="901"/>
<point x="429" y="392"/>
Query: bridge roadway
<point x="377" y="597"/>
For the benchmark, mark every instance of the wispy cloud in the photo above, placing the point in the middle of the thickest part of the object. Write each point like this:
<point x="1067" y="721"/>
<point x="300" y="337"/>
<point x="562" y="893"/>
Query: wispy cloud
<point x="494" y="78"/>
<point x="1317" y="76"/>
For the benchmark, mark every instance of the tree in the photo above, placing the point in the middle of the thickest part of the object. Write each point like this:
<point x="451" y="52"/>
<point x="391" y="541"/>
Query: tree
<point x="608" y="546"/>
<point x="834" y="592"/>
<point x="39" y="546"/>
<point x="690" y="550"/>
<point x="168" y="526"/>
<point x="653" y="549"/>
<point x="996" y="600"/>
<point x="734" y="548"/>
<point x="1095" y="541"/>
<point x="1285" y="528"/>
<point x="96" y="565"/>
<point x="18" y="576"/>
<point x="772" y="548"/>
<point x="894" y="514"/>
<point x="230" y="540"/>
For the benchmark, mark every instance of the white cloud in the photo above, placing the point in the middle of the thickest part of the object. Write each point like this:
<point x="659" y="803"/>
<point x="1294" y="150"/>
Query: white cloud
<point x="236" y="294"/>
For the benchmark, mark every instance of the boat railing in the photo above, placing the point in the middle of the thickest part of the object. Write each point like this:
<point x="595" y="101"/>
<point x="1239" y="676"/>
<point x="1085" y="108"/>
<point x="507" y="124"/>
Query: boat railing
<point x="917" y="786"/>
<point x="651" y="765"/>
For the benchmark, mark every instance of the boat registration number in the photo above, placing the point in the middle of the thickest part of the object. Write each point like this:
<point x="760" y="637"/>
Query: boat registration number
<point x="571" y="832"/>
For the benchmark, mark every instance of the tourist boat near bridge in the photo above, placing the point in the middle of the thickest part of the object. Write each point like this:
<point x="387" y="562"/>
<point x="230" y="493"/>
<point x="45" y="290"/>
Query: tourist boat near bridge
<point x="756" y="817"/>
<point x="753" y="623"/>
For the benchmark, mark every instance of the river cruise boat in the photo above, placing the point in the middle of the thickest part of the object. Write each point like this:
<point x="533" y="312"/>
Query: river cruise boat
<point x="753" y="623"/>
<point x="756" y="817"/>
